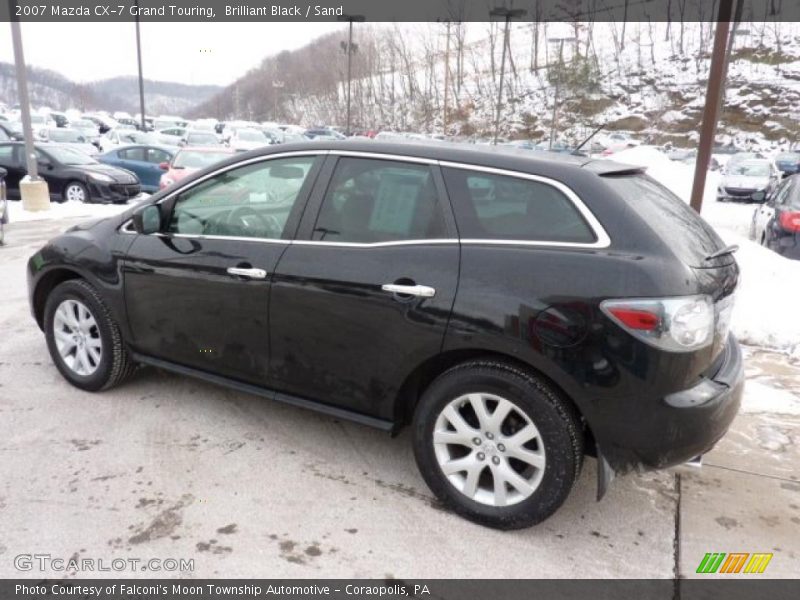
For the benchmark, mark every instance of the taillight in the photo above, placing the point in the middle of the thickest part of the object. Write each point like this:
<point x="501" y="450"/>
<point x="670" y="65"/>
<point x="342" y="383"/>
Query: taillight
<point x="790" y="221"/>
<point x="676" y="324"/>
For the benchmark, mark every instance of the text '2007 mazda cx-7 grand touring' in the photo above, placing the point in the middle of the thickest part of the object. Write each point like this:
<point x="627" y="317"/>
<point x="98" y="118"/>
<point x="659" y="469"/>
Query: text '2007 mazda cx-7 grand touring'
<point x="517" y="312"/>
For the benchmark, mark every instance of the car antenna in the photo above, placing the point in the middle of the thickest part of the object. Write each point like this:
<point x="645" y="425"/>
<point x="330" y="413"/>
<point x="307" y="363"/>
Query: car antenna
<point x="583" y="143"/>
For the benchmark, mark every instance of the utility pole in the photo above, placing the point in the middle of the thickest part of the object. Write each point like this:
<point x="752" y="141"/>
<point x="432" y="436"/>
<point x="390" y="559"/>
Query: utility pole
<point x="33" y="189"/>
<point x="553" y="120"/>
<point x="508" y="14"/>
<point x="349" y="49"/>
<point x="713" y="94"/>
<point x="141" y="78"/>
<point x="446" y="79"/>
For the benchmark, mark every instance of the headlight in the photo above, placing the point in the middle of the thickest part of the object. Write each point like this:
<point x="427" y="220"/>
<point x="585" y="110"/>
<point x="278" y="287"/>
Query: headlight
<point x="101" y="178"/>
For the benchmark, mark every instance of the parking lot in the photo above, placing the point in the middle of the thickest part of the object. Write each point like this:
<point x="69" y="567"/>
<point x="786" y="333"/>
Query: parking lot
<point x="168" y="467"/>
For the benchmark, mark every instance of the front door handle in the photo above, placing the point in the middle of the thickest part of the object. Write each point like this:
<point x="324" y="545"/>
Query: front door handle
<point x="421" y="291"/>
<point x="251" y="273"/>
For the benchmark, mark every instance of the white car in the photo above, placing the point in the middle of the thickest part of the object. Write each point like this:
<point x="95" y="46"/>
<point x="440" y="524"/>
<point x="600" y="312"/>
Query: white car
<point x="247" y="139"/>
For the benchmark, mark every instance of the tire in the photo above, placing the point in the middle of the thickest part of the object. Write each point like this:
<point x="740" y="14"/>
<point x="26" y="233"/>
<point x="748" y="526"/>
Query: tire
<point x="104" y="366"/>
<point x="75" y="191"/>
<point x="720" y="199"/>
<point x="556" y="449"/>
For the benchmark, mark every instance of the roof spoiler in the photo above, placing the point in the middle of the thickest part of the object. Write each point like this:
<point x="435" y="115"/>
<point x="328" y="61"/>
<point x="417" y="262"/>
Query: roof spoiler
<point x="611" y="168"/>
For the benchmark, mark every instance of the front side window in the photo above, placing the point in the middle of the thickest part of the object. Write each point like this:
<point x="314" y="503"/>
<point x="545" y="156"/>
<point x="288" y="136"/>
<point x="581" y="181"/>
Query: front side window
<point x="156" y="156"/>
<point x="251" y="201"/>
<point x="504" y="207"/>
<point x="371" y="201"/>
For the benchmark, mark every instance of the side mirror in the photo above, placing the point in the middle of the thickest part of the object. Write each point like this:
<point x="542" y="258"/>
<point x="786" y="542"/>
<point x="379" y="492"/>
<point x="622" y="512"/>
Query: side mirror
<point x="164" y="166"/>
<point x="44" y="163"/>
<point x="147" y="219"/>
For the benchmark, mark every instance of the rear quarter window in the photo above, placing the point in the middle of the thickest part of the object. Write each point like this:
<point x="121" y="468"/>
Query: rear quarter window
<point x="504" y="207"/>
<point x="673" y="220"/>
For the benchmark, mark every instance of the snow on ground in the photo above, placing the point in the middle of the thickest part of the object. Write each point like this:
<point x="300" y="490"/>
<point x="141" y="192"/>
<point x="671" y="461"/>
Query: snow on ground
<point x="765" y="307"/>
<point x="66" y="210"/>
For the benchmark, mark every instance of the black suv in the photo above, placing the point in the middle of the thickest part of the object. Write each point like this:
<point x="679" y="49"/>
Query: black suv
<point x="517" y="312"/>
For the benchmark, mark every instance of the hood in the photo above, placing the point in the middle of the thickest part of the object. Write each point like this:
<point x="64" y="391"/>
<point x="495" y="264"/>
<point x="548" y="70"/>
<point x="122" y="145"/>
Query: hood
<point x="119" y="175"/>
<point x="745" y="182"/>
<point x="86" y="148"/>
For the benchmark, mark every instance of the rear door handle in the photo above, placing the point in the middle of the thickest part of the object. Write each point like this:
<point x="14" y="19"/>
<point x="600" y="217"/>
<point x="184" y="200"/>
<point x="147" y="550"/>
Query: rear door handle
<point x="421" y="291"/>
<point x="251" y="273"/>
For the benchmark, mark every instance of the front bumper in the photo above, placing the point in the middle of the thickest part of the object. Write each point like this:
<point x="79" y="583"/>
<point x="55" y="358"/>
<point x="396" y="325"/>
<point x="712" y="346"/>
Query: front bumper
<point x="116" y="193"/>
<point x="684" y="424"/>
<point x="741" y="195"/>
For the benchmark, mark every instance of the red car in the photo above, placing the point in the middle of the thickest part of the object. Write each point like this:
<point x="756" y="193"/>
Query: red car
<point x="188" y="160"/>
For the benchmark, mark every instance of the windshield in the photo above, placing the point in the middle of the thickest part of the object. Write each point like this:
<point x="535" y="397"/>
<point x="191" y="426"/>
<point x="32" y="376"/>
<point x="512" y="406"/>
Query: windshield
<point x="750" y="170"/>
<point x="65" y="135"/>
<point x="250" y="135"/>
<point x="190" y="159"/>
<point x="68" y="156"/>
<point x="789" y="157"/>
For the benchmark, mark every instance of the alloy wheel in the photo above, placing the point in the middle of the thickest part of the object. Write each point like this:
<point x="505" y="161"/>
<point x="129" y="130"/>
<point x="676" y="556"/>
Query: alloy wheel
<point x="77" y="337"/>
<point x="75" y="193"/>
<point x="489" y="449"/>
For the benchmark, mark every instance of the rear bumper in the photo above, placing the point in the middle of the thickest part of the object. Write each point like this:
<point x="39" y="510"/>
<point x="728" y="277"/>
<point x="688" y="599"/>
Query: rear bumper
<point x="685" y="424"/>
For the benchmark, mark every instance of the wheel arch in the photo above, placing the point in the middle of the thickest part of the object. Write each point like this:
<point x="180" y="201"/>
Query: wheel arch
<point x="418" y="380"/>
<point x="46" y="284"/>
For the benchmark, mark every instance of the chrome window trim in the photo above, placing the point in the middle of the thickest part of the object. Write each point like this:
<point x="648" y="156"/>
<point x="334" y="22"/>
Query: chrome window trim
<point x="603" y="240"/>
<point x="417" y="242"/>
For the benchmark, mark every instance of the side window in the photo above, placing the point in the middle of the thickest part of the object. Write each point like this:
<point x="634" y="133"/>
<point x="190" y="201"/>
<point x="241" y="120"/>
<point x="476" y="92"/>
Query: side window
<point x="154" y="155"/>
<point x="251" y="201"/>
<point x="504" y="207"/>
<point x="370" y="201"/>
<point x="132" y="154"/>
<point x="6" y="155"/>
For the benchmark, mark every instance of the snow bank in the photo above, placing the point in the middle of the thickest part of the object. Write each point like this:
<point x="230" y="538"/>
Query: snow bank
<point x="66" y="210"/>
<point x="765" y="309"/>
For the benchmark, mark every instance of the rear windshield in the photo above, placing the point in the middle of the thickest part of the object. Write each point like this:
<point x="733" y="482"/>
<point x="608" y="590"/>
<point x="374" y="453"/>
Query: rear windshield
<point x="674" y="221"/>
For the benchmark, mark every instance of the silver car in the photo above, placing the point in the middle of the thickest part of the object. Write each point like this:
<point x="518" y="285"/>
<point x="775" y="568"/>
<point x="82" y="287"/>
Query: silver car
<point x="749" y="180"/>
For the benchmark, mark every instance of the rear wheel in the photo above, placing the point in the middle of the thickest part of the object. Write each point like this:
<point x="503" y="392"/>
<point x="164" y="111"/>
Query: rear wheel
<point x="83" y="339"/>
<point x="75" y="191"/>
<point x="497" y="444"/>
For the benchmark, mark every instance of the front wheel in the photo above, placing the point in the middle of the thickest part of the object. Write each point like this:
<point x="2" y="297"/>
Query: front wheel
<point x="497" y="444"/>
<point x="75" y="191"/>
<point x="83" y="339"/>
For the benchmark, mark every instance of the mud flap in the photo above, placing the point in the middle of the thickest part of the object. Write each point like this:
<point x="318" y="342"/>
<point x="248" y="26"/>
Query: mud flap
<point x="605" y="475"/>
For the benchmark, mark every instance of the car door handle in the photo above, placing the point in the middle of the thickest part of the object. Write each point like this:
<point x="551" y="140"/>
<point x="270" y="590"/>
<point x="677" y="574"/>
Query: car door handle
<point x="421" y="291"/>
<point x="251" y="273"/>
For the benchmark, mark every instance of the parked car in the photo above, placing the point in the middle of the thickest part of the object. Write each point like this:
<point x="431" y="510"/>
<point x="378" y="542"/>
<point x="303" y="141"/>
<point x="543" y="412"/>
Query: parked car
<point x="88" y="129"/>
<point x="189" y="160"/>
<point x="12" y="130"/>
<point x="750" y="180"/>
<point x="70" y="174"/>
<point x="321" y="133"/>
<point x="145" y="161"/>
<point x="788" y="163"/>
<point x="200" y="138"/>
<point x="776" y="223"/>
<point x="247" y="139"/>
<point x="171" y="136"/>
<point x="382" y="283"/>
<point x="71" y="138"/>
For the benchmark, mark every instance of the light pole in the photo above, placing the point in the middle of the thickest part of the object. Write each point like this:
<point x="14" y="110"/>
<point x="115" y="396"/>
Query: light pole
<point x="349" y="49"/>
<point x="560" y="41"/>
<point x="139" y="60"/>
<point x="507" y="14"/>
<point x="33" y="189"/>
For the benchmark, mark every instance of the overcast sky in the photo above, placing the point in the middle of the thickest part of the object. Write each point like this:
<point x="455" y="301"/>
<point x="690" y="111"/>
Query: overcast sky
<point x="215" y="53"/>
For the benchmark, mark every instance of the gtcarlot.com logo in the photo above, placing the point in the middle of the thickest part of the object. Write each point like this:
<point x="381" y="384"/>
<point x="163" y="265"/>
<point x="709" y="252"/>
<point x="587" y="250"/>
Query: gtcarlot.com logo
<point x="734" y="562"/>
<point x="79" y="564"/>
